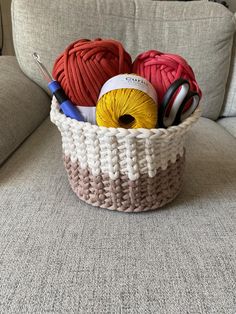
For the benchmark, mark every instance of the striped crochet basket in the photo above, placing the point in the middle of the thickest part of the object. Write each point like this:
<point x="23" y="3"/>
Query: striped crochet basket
<point x="130" y="170"/>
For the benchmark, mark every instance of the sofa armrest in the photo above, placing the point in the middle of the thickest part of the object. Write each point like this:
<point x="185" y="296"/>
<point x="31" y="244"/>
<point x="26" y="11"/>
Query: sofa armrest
<point x="23" y="106"/>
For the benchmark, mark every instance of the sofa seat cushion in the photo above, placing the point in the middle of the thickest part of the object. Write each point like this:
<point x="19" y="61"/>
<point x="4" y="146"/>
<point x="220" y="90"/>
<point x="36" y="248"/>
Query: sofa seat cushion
<point x="59" y="255"/>
<point x="23" y="106"/>
<point x="229" y="124"/>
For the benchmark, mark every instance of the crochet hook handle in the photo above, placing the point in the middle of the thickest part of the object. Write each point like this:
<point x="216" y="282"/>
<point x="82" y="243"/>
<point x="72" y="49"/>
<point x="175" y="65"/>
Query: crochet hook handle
<point x="55" y="88"/>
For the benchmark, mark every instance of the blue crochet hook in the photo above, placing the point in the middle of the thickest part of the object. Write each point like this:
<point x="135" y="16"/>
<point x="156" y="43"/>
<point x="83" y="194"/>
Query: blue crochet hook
<point x="65" y="104"/>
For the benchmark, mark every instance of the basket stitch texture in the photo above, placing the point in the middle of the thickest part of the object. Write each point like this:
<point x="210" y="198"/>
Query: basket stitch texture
<point x="122" y="194"/>
<point x="123" y="169"/>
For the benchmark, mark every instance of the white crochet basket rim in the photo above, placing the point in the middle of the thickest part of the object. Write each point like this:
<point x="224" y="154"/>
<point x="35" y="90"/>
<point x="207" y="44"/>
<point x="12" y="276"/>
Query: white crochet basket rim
<point x="161" y="133"/>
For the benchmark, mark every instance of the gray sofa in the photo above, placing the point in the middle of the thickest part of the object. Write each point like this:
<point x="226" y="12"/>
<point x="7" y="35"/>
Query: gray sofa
<point x="59" y="255"/>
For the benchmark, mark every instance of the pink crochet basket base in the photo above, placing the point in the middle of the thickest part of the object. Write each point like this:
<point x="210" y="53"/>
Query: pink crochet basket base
<point x="124" y="195"/>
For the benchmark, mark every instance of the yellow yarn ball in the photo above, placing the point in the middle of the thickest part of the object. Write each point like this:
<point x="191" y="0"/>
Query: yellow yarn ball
<point x="126" y="108"/>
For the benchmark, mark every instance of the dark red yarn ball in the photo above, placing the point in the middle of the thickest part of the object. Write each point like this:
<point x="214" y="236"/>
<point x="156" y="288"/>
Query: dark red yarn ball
<point x="86" y="65"/>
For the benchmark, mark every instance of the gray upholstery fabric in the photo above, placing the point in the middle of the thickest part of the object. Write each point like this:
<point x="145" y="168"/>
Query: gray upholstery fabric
<point x="229" y="124"/>
<point x="8" y="48"/>
<point x="59" y="255"/>
<point x="229" y="108"/>
<point x="201" y="32"/>
<point x="23" y="106"/>
<point x="0" y="29"/>
<point x="232" y="5"/>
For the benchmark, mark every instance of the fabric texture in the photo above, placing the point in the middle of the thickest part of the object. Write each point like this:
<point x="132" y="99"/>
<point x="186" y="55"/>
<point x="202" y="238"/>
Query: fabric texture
<point x="202" y="32"/>
<point x="23" y="106"/>
<point x="229" y="124"/>
<point x="0" y="29"/>
<point x="229" y="108"/>
<point x="7" y="48"/>
<point x="59" y="255"/>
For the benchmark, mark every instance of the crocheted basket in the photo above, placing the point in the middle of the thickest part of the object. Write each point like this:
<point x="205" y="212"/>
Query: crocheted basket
<point x="128" y="170"/>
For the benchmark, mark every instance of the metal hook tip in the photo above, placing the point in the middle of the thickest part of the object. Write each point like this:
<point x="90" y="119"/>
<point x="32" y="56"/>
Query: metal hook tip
<point x="36" y="56"/>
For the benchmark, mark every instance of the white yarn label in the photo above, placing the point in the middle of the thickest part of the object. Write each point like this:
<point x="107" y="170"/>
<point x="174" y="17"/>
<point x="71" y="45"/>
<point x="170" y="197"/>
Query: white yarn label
<point x="129" y="81"/>
<point x="89" y="113"/>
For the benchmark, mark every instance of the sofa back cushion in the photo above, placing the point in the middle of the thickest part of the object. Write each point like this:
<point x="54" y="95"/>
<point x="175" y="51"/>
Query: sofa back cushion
<point x="229" y="108"/>
<point x="201" y="32"/>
